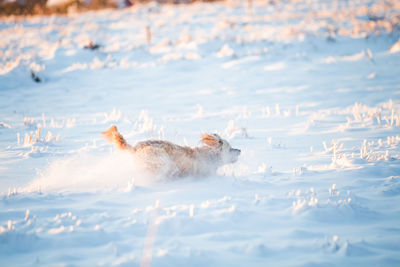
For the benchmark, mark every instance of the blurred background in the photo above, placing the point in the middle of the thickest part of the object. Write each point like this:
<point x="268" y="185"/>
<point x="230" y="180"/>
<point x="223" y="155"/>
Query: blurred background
<point x="30" y="7"/>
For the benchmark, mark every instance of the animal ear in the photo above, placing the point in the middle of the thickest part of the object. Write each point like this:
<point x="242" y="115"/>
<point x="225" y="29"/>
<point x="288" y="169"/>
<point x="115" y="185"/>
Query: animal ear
<point x="211" y="139"/>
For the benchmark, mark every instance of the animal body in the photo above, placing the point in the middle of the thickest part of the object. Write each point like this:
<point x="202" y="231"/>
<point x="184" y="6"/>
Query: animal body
<point x="163" y="157"/>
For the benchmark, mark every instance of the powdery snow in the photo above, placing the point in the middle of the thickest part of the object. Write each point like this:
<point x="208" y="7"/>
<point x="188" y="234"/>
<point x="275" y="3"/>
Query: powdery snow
<point x="308" y="90"/>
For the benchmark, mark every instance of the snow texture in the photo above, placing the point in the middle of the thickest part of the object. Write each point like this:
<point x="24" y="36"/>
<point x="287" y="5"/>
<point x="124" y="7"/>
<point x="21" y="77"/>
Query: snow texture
<point x="308" y="90"/>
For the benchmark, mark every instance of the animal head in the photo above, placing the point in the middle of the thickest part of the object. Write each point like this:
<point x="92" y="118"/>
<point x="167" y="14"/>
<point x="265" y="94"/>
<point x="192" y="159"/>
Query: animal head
<point x="225" y="153"/>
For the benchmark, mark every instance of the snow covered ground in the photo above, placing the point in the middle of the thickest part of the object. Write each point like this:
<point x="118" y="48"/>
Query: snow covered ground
<point x="308" y="90"/>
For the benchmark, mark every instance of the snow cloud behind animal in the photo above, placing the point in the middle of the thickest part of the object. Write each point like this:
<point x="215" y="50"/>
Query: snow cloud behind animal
<point x="90" y="173"/>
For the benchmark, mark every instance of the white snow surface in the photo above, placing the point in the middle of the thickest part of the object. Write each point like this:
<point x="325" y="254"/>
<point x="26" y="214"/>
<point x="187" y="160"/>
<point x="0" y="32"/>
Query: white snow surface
<point x="308" y="90"/>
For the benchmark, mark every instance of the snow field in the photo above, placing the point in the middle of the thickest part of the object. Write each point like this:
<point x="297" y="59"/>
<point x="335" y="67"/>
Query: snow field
<point x="309" y="91"/>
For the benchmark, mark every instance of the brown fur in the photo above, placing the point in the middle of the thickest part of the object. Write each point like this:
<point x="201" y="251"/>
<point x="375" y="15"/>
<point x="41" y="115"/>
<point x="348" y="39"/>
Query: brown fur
<point x="113" y="136"/>
<point x="173" y="160"/>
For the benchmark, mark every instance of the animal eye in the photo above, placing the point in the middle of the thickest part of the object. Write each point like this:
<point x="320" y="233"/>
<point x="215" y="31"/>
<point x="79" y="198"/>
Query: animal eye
<point x="220" y="142"/>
